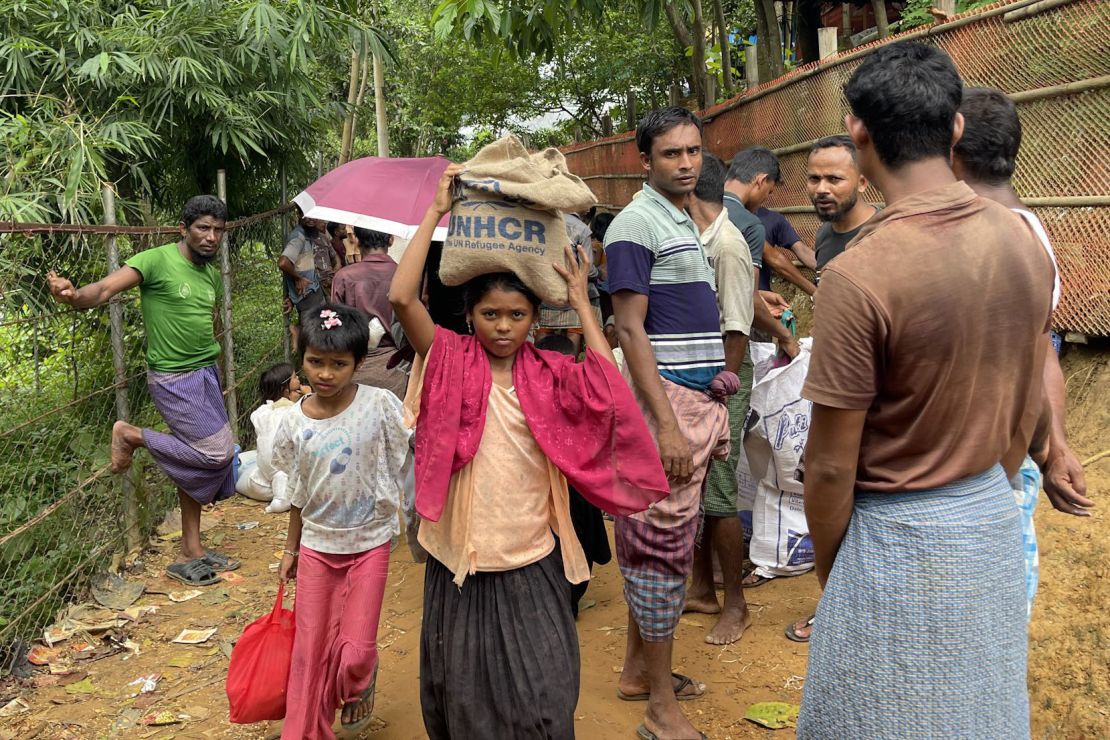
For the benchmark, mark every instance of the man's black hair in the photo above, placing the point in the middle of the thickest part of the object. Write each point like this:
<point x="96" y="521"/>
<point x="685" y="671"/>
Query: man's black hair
<point x="203" y="205"/>
<point x="600" y="225"/>
<point x="274" y="381"/>
<point x="370" y="239"/>
<point x="351" y="335"/>
<point x="711" y="181"/>
<point x="841" y="141"/>
<point x="660" y="121"/>
<point x="334" y="227"/>
<point x="477" y="287"/>
<point x="989" y="146"/>
<point x="754" y="161"/>
<point x="907" y="95"/>
<point x="556" y="343"/>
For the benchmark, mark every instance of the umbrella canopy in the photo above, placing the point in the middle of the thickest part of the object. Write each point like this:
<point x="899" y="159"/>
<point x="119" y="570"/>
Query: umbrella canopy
<point x="381" y="193"/>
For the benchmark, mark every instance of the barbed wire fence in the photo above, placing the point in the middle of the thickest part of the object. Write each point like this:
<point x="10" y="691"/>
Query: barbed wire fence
<point x="1051" y="57"/>
<point x="67" y="375"/>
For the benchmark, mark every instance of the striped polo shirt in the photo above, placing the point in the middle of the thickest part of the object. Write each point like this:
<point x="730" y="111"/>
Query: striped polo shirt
<point x="653" y="248"/>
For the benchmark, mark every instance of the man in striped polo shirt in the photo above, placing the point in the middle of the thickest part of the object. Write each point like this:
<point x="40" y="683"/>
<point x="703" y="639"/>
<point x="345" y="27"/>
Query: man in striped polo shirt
<point x="667" y="321"/>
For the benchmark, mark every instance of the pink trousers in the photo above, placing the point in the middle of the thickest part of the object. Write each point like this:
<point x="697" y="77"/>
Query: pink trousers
<point x="339" y="602"/>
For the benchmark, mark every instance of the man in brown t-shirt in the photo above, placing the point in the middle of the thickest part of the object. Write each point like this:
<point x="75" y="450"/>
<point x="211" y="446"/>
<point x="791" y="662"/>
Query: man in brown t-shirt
<point x="926" y="383"/>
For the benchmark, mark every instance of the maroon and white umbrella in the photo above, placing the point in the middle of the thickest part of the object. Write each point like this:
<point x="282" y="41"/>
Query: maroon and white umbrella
<point x="385" y="194"/>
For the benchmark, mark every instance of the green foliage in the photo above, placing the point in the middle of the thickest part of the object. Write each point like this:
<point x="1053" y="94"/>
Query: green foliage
<point x="156" y="96"/>
<point x="916" y="12"/>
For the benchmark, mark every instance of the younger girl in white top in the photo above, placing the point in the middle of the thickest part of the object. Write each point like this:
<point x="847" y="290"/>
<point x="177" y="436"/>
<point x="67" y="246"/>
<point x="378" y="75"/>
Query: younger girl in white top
<point x="345" y="449"/>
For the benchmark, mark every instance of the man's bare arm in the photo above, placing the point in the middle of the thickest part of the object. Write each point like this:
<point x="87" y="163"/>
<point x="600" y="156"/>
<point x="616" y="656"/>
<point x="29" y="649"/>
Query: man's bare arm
<point x="630" y="310"/>
<point x="1064" y="481"/>
<point x="736" y="348"/>
<point x="93" y="294"/>
<point x="764" y="321"/>
<point x="780" y="262"/>
<point x="832" y="455"/>
<point x="805" y="254"/>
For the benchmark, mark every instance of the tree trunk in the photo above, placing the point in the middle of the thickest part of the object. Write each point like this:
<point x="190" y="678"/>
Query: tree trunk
<point x="881" y="21"/>
<point x="770" y="40"/>
<point x="364" y="74"/>
<point x="686" y="39"/>
<point x="726" y="51"/>
<point x="379" y="107"/>
<point x="349" y="120"/>
<point x="809" y="20"/>
<point x="846" y="24"/>
<point x="701" y="89"/>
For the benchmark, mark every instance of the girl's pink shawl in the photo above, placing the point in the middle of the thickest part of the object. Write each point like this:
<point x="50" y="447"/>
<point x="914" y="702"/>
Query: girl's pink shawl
<point x="583" y="417"/>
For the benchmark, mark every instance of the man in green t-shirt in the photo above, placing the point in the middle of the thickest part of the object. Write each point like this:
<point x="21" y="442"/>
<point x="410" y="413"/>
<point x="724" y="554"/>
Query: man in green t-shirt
<point x="178" y="284"/>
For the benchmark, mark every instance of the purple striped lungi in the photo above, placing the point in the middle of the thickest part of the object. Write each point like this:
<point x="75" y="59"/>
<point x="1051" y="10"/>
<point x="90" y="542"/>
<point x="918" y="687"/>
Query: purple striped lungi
<point x="198" y="451"/>
<point x="655" y="548"/>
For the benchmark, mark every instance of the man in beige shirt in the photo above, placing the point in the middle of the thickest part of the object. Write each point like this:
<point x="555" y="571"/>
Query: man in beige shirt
<point x="728" y="253"/>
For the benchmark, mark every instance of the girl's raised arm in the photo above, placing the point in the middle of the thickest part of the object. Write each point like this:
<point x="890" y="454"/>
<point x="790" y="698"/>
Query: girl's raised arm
<point x="404" y="291"/>
<point x="576" y="273"/>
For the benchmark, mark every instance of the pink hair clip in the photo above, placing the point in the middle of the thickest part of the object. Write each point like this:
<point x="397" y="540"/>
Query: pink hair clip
<point x="331" y="319"/>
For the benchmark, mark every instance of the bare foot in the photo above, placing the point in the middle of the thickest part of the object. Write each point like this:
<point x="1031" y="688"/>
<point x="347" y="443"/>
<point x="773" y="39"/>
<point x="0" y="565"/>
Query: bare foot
<point x="730" y="626"/>
<point x="123" y="445"/>
<point x="701" y="604"/>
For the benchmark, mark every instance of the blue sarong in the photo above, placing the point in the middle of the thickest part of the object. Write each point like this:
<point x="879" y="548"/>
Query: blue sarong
<point x="922" y="626"/>
<point x="1027" y="489"/>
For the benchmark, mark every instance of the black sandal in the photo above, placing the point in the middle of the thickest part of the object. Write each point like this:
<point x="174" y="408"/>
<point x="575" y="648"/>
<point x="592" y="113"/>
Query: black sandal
<point x="220" y="562"/>
<point x="193" y="573"/>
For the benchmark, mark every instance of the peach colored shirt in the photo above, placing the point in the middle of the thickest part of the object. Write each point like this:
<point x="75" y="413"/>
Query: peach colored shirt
<point x="505" y="506"/>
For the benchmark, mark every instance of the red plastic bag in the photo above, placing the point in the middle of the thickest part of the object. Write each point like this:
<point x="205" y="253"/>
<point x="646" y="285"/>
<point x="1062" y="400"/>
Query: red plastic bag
<point x="259" y="669"/>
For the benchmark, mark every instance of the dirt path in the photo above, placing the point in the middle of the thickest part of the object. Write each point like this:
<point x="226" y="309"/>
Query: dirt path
<point x="1069" y="636"/>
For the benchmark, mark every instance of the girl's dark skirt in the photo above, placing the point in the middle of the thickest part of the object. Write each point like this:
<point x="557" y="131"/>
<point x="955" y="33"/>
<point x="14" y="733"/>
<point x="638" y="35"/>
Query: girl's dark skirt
<point x="499" y="657"/>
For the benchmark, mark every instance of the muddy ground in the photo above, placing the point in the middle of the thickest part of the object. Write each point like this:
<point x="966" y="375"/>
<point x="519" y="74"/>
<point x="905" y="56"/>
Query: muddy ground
<point x="1069" y="670"/>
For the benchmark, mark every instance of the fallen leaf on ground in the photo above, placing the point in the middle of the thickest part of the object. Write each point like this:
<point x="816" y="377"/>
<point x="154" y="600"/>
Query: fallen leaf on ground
<point x="69" y="678"/>
<point x="84" y="686"/>
<point x="41" y="682"/>
<point x="160" y="719"/>
<point x="217" y="539"/>
<point x="194" y="637"/>
<point x="179" y="596"/>
<point x="14" y="707"/>
<point x="116" y="593"/>
<point x="170" y="536"/>
<point x="184" y="660"/>
<point x="773" y="714"/>
<point x="215" y="596"/>
<point x="39" y="655"/>
<point x="198" y="712"/>
<point x="232" y="577"/>
<point x="65" y="699"/>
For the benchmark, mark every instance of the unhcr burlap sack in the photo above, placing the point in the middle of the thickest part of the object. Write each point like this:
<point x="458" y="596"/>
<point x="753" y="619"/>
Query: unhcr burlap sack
<point x="508" y="219"/>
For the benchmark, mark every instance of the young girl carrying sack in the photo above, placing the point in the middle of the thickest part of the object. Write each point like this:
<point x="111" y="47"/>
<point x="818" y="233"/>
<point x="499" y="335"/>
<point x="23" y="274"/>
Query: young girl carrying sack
<point x="501" y="428"/>
<point x="345" y="449"/>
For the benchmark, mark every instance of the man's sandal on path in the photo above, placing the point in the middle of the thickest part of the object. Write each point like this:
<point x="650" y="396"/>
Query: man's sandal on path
<point x="792" y="633"/>
<point x="220" y="562"/>
<point x="683" y="683"/>
<point x="366" y="695"/>
<point x="193" y="573"/>
<point x="644" y="733"/>
<point x="759" y="580"/>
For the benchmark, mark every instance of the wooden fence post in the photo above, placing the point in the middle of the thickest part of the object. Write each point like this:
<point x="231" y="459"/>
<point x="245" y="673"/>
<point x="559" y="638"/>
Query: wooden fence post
<point x="119" y="366"/>
<point x="630" y="119"/>
<point x="751" y="65"/>
<point x="826" y="41"/>
<point x="225" y="313"/>
<point x="285" y="348"/>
